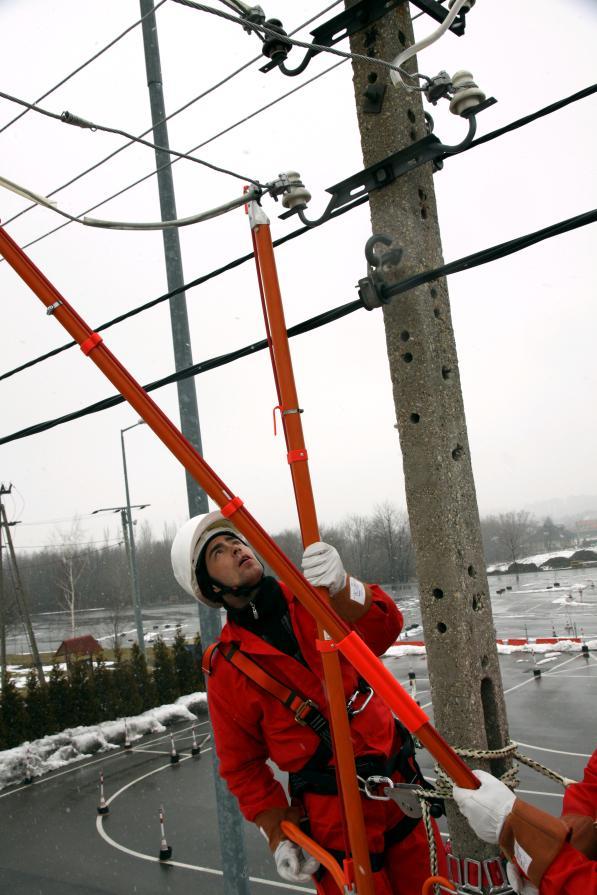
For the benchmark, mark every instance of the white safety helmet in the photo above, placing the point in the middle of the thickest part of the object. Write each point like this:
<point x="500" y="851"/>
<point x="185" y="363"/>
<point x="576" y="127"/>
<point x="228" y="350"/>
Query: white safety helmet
<point x="188" y="546"/>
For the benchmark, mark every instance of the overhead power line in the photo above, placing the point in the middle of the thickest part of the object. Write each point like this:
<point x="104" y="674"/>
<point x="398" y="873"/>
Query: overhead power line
<point x="82" y="66"/>
<point x="74" y="120"/>
<point x="198" y="281"/>
<point x="485" y="256"/>
<point x="172" y="115"/>
<point x="520" y="122"/>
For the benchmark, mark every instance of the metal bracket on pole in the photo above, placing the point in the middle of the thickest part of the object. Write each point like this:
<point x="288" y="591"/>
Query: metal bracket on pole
<point x="372" y="287"/>
<point x="339" y="27"/>
<point x="387" y="170"/>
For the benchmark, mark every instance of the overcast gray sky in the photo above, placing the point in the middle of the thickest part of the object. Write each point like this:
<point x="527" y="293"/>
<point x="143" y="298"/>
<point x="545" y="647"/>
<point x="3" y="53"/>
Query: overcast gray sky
<point x="525" y="326"/>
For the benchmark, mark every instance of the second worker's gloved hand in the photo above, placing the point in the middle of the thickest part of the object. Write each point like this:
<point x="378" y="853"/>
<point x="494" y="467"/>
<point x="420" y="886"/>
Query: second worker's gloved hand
<point x="322" y="567"/>
<point x="487" y="807"/>
<point x="293" y="864"/>
<point x="519" y="884"/>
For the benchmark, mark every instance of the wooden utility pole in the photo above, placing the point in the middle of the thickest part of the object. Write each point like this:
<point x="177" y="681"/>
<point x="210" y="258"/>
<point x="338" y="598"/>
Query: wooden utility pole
<point x="22" y="599"/>
<point x="464" y="673"/>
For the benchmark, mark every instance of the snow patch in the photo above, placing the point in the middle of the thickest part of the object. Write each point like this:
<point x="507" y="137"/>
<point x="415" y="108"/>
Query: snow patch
<point x="52" y="752"/>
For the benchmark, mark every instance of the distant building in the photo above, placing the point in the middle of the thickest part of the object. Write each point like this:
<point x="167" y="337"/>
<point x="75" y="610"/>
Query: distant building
<point x="77" y="647"/>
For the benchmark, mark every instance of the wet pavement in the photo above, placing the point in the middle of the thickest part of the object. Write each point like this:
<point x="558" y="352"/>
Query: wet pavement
<point x="53" y="842"/>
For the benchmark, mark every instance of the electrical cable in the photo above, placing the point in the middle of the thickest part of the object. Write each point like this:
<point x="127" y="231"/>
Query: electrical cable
<point x="167" y="118"/>
<point x="405" y="55"/>
<point x="198" y="218"/>
<point x="253" y="26"/>
<point x="69" y="118"/>
<point x="83" y="65"/>
<point x="527" y="119"/>
<point x="485" y="256"/>
<point x="230" y="265"/>
<point x="167" y="164"/>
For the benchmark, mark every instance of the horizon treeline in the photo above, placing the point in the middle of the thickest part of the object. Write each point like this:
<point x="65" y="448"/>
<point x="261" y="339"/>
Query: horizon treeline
<point x="90" y="692"/>
<point x="378" y="548"/>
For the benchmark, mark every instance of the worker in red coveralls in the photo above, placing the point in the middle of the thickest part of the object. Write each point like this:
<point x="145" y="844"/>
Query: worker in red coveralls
<point x="548" y="855"/>
<point x="213" y="562"/>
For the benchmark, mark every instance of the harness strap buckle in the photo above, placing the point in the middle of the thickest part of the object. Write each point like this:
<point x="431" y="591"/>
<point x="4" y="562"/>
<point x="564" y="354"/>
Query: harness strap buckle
<point x="302" y="710"/>
<point x="373" y="782"/>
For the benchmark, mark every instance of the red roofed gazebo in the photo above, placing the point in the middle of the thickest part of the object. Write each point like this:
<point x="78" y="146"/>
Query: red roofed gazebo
<point x="76" y="647"/>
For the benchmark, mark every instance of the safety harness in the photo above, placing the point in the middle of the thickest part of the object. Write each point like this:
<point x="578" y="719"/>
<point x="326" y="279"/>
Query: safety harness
<point x="317" y="775"/>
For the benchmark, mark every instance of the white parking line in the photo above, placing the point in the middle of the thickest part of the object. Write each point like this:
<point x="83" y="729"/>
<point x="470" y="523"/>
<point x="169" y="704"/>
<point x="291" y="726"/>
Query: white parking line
<point x="136" y="854"/>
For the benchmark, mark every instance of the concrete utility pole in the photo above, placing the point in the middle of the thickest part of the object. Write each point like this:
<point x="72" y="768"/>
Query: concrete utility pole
<point x="22" y="599"/>
<point x="232" y="847"/>
<point x="466" y="685"/>
<point x="130" y="544"/>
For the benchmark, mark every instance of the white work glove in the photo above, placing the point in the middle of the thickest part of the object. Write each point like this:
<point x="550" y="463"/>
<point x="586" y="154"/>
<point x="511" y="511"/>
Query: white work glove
<point x="485" y="808"/>
<point x="519" y="884"/>
<point x="293" y="864"/>
<point x="322" y="567"/>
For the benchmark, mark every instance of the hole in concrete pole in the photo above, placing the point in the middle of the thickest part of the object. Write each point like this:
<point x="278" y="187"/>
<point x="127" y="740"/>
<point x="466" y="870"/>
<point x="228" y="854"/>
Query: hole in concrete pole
<point x="405" y="335"/>
<point x="413" y="134"/>
<point x="472" y="572"/>
<point x="422" y="195"/>
<point x="424" y="213"/>
<point x="458" y="452"/>
<point x="484" y="661"/>
<point x="477" y="602"/>
<point x="437" y="313"/>
<point x="372" y="77"/>
<point x="446" y="372"/>
<point x="411" y="116"/>
<point x="442" y="628"/>
<point x="414" y="417"/>
<point x="438" y="593"/>
<point x="401" y="38"/>
<point x="492" y="727"/>
<point x="433" y="292"/>
<point x="407" y="358"/>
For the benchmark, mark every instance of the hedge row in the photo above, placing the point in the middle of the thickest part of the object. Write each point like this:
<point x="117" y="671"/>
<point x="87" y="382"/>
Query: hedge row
<point x="88" y="693"/>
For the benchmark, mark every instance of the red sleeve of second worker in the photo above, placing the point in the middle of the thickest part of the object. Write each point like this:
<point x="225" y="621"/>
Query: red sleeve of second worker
<point x="581" y="798"/>
<point x="240" y="747"/>
<point x="382" y="624"/>
<point x="570" y="874"/>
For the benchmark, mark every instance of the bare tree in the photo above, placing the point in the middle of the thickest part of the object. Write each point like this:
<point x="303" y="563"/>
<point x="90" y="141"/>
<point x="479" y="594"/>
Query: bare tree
<point x="72" y="563"/>
<point x="514" y="531"/>
<point x="392" y="534"/>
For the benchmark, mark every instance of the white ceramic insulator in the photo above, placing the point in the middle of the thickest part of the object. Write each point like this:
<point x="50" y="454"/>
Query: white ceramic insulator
<point x="467" y="95"/>
<point x="466" y="6"/>
<point x="297" y="195"/>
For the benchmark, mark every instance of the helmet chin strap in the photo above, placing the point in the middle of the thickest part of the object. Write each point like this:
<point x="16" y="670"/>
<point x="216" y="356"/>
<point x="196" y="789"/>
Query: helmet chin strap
<point x="243" y="590"/>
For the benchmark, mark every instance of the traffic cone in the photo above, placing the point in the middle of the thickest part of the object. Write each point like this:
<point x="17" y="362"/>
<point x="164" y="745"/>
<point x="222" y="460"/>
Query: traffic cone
<point x="174" y="756"/>
<point x="127" y="743"/>
<point x="412" y="683"/>
<point x="103" y="807"/>
<point x="165" y="849"/>
<point x="195" y="749"/>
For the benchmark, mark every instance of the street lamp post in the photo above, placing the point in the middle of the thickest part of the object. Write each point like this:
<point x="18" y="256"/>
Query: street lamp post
<point x="132" y="550"/>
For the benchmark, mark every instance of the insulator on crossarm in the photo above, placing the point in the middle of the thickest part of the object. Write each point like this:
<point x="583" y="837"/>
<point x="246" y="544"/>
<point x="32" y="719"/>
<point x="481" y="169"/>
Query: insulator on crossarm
<point x="467" y="94"/>
<point x="295" y="194"/>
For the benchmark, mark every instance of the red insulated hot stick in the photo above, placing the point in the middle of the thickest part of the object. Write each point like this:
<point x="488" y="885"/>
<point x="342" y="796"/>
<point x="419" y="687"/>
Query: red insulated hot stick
<point x="349" y="643"/>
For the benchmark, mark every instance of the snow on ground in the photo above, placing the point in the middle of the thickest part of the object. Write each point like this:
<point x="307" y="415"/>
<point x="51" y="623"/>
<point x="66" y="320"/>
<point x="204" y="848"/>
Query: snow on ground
<point x="562" y="646"/>
<point x="538" y="559"/>
<point x="52" y="752"/>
